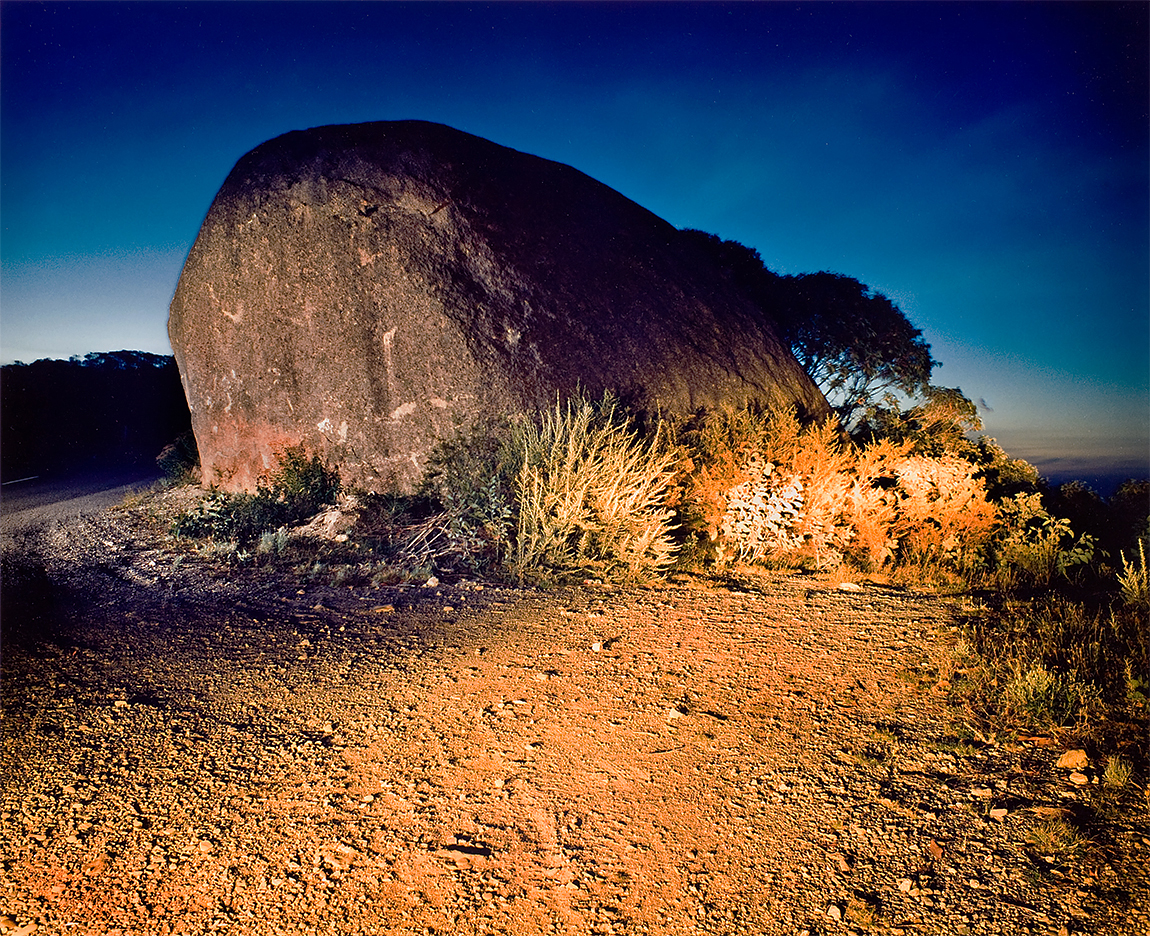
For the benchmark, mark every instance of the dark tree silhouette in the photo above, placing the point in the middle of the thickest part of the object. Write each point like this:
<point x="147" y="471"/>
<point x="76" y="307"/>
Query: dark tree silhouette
<point x="852" y="341"/>
<point x="937" y="422"/>
<point x="108" y="410"/>
<point x="855" y="343"/>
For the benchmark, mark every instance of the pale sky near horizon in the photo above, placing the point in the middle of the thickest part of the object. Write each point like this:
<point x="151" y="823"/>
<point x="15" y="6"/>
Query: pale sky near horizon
<point x="984" y="165"/>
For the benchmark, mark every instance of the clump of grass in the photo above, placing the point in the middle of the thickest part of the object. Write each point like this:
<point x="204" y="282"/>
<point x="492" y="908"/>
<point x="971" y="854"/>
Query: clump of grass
<point x="1043" y="699"/>
<point x="1116" y="776"/>
<point x="1057" y="840"/>
<point x="593" y="494"/>
<point x="1134" y="581"/>
<point x="1051" y="662"/>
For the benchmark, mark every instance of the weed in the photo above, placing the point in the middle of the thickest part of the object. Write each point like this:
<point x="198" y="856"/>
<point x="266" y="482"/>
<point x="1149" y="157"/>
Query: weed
<point x="1117" y="774"/>
<point x="272" y="542"/>
<point x="1134" y="581"/>
<point x="471" y="477"/>
<point x="1057" y="841"/>
<point x="863" y="909"/>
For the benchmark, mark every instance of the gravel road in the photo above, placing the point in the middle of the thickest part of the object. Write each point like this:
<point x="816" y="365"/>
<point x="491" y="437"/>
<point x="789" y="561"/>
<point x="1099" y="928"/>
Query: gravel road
<point x="196" y="748"/>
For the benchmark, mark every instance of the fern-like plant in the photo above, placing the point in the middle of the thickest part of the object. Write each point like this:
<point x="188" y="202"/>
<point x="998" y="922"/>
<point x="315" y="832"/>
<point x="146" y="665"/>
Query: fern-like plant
<point x="1134" y="580"/>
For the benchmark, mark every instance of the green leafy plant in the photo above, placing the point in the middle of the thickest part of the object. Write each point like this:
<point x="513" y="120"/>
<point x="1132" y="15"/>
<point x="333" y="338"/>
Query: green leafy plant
<point x="298" y="488"/>
<point x="1032" y="547"/>
<point x="471" y="478"/>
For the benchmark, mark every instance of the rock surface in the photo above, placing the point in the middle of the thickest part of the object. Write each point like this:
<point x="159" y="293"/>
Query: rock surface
<point x="369" y="289"/>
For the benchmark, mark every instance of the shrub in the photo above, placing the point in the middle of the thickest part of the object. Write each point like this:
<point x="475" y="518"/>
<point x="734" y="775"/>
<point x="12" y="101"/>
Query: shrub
<point x="1032" y="547"/>
<point x="303" y="484"/>
<point x="180" y="459"/>
<point x="1134" y="582"/>
<point x="593" y="495"/>
<point x="771" y="490"/>
<point x="470" y="478"/>
<point x="298" y="488"/>
<point x="764" y="487"/>
<point x="942" y="516"/>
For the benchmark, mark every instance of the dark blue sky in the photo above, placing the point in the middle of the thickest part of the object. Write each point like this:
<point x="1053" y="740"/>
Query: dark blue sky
<point x="985" y="165"/>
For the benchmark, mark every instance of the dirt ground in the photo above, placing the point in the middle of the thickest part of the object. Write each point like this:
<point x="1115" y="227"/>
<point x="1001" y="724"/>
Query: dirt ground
<point x="192" y="747"/>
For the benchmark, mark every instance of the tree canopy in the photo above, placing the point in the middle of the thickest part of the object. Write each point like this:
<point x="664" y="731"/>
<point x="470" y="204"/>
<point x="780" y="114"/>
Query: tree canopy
<point x="853" y="342"/>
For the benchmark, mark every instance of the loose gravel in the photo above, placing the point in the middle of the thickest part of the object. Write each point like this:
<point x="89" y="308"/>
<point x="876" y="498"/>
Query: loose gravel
<point x="196" y="748"/>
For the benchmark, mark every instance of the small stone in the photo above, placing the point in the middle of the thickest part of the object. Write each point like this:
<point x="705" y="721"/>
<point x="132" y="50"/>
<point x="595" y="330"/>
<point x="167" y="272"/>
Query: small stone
<point x="905" y="884"/>
<point x="1073" y="760"/>
<point x="999" y="813"/>
<point x="1080" y="779"/>
<point x="120" y="703"/>
<point x="205" y="846"/>
<point x="596" y="646"/>
<point x="834" y="911"/>
<point x="432" y="582"/>
<point x="849" y="587"/>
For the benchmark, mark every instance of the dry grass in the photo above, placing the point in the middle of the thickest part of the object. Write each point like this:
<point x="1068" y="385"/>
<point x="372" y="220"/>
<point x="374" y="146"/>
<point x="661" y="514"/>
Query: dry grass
<point x="593" y="494"/>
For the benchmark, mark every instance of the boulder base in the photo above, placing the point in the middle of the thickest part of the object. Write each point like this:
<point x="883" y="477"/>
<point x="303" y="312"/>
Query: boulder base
<point x="368" y="290"/>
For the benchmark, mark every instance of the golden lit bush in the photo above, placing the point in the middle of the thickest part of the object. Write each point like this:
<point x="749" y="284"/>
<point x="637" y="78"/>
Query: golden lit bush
<point x="772" y="490"/>
<point x="943" y="516"/>
<point x="819" y="458"/>
<point x="871" y="506"/>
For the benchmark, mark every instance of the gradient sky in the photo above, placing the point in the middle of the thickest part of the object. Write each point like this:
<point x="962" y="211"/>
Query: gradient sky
<point x="985" y="165"/>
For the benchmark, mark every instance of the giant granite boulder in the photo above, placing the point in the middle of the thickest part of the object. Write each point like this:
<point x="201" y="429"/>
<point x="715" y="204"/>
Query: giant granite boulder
<point x="367" y="290"/>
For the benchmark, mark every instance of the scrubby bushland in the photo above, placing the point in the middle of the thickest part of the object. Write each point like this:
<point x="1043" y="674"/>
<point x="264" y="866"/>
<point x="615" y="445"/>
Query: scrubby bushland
<point x="102" y="411"/>
<point x="1057" y="639"/>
